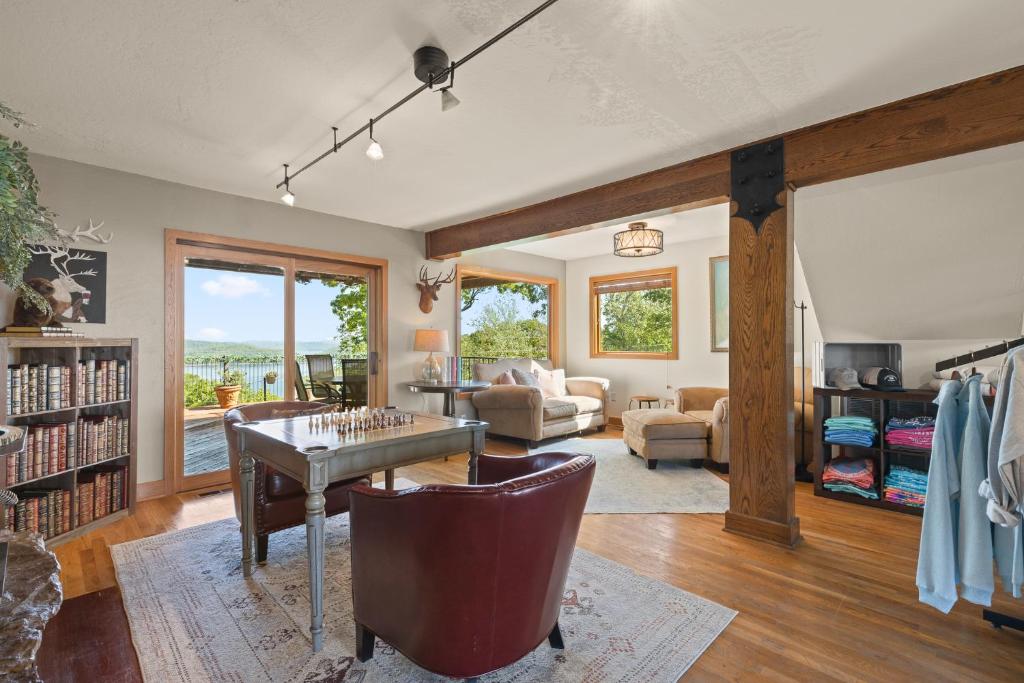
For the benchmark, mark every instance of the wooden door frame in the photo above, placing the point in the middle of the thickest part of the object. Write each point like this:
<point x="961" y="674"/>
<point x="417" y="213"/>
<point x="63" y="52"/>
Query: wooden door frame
<point x="176" y="244"/>
<point x="554" y="303"/>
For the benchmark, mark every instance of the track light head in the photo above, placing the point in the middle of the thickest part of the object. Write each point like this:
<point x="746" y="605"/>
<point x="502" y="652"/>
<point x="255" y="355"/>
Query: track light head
<point x="288" y="197"/>
<point x="374" y="151"/>
<point x="448" y="100"/>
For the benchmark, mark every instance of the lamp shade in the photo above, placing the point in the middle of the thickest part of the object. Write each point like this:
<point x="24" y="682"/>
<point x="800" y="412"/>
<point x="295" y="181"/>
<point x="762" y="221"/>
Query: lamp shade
<point x="639" y="240"/>
<point x="431" y="340"/>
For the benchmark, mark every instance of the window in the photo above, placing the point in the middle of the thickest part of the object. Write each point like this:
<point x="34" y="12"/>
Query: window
<point x="505" y="315"/>
<point x="633" y="315"/>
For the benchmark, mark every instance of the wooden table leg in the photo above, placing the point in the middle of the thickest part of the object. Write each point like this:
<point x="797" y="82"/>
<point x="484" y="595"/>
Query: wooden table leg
<point x="449" y="404"/>
<point x="247" y="466"/>
<point x="389" y="480"/>
<point x="474" y="454"/>
<point x="315" y="517"/>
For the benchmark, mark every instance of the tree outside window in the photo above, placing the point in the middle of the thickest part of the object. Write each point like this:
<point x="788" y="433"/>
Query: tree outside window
<point x="634" y="315"/>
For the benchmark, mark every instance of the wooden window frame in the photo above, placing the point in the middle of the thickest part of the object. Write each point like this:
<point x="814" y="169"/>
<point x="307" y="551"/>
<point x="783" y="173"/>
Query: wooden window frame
<point x="595" y="334"/>
<point x="554" y="303"/>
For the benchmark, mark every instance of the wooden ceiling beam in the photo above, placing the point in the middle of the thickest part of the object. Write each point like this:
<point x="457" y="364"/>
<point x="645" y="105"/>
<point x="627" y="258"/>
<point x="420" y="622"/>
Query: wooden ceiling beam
<point x="970" y="116"/>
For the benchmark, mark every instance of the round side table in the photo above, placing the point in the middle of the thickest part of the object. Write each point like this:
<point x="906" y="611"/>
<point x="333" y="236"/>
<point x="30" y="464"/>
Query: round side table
<point x="641" y="399"/>
<point x="449" y="389"/>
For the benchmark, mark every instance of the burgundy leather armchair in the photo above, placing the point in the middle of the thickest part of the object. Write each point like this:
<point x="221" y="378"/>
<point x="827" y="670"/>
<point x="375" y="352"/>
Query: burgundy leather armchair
<point x="279" y="501"/>
<point x="464" y="580"/>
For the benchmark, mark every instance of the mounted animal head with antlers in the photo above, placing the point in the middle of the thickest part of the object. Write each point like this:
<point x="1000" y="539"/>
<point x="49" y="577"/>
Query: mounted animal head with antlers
<point x="428" y="289"/>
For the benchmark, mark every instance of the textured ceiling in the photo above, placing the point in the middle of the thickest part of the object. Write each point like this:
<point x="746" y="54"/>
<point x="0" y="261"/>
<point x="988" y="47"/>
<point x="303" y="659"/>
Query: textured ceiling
<point x="686" y="226"/>
<point x="218" y="93"/>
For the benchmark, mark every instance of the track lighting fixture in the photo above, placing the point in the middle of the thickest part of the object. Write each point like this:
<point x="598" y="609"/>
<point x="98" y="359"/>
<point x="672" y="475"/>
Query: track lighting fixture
<point x="288" y="197"/>
<point x="431" y="66"/>
<point x="374" y="151"/>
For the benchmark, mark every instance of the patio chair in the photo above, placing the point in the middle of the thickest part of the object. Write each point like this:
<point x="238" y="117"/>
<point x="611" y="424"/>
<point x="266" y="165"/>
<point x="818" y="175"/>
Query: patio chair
<point x="354" y="373"/>
<point x="321" y="376"/>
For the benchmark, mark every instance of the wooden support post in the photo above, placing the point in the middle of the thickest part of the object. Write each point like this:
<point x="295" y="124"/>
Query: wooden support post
<point x="761" y="465"/>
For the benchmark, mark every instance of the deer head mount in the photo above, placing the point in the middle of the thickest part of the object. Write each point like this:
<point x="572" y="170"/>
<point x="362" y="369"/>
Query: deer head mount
<point x="428" y="289"/>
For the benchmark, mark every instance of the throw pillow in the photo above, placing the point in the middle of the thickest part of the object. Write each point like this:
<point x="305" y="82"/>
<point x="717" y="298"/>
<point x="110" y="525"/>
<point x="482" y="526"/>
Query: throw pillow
<point x="552" y="382"/>
<point x="505" y="378"/>
<point x="525" y="378"/>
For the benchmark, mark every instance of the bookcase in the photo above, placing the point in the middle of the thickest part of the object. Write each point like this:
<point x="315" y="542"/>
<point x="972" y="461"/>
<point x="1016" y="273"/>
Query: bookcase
<point x="77" y="399"/>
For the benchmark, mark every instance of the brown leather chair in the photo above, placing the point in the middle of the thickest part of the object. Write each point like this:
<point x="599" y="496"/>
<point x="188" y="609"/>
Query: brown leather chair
<point x="464" y="580"/>
<point x="280" y="501"/>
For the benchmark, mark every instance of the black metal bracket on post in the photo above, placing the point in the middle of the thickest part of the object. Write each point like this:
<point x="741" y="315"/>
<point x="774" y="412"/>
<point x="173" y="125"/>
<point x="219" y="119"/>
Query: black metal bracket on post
<point x="758" y="176"/>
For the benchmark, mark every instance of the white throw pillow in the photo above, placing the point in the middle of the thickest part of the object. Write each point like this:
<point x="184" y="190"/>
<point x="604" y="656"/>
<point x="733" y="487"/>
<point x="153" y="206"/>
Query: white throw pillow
<point x="552" y="382"/>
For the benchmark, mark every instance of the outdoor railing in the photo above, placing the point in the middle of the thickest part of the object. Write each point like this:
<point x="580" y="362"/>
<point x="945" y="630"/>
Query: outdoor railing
<point x="207" y="371"/>
<point x="468" y="362"/>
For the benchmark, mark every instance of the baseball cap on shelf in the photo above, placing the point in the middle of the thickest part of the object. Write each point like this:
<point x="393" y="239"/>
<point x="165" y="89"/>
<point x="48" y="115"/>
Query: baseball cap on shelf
<point x="882" y="379"/>
<point x="844" y="379"/>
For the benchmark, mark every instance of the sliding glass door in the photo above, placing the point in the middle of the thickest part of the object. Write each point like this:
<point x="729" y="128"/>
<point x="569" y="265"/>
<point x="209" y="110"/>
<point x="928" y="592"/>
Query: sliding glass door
<point x="248" y="325"/>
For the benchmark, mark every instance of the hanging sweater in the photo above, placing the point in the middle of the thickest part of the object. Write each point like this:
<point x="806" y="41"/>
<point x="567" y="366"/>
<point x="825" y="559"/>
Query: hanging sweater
<point x="937" y="574"/>
<point x="974" y="551"/>
<point x="1004" y="488"/>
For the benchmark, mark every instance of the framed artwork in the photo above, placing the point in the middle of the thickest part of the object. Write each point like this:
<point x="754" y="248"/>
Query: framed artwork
<point x="719" y="270"/>
<point x="78" y="278"/>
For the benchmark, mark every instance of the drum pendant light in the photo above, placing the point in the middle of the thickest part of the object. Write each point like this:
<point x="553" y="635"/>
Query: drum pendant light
<point x="639" y="240"/>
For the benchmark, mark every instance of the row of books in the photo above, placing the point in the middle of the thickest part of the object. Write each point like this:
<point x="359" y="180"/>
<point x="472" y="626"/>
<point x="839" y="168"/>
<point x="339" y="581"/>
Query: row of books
<point x="102" y="381"/>
<point x="101" y="492"/>
<point x="32" y="331"/>
<point x="51" y="448"/>
<point x="52" y="512"/>
<point x="47" y="512"/>
<point x="36" y="387"/>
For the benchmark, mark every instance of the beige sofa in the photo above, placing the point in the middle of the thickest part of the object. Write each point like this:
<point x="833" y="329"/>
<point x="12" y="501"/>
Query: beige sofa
<point x="711" y="404"/>
<point x="522" y="411"/>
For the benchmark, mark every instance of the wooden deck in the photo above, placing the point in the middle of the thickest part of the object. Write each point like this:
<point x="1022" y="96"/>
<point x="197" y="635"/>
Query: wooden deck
<point x="205" y="448"/>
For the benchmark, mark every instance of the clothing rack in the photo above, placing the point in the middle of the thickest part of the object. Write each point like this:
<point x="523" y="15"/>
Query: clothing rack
<point x="974" y="356"/>
<point x="999" y="620"/>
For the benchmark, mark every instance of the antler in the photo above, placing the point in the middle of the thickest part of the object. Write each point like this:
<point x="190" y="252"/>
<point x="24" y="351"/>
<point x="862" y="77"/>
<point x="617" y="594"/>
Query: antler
<point x="54" y="252"/>
<point x="91" y="233"/>
<point x="449" y="278"/>
<point x="423" y="275"/>
<point x="84" y="272"/>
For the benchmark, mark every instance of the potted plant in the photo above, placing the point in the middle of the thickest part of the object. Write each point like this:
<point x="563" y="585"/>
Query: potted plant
<point x="230" y="386"/>
<point x="22" y="220"/>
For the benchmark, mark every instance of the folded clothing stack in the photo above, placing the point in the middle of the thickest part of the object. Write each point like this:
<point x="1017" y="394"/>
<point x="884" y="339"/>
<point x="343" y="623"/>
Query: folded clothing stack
<point x="910" y="432"/>
<point x="851" y="476"/>
<point x="906" y="486"/>
<point x="850" y="430"/>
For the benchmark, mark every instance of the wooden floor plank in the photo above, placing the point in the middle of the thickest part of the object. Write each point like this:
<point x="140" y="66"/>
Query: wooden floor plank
<point x="842" y="606"/>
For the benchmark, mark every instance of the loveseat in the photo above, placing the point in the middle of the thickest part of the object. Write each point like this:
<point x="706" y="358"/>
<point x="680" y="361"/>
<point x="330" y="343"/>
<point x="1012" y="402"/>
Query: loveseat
<point x="525" y="412"/>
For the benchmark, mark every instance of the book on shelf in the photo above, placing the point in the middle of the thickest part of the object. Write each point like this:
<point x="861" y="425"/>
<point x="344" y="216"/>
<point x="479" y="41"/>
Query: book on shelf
<point x="45" y="511"/>
<point x="102" y="381"/>
<point x="49" y="449"/>
<point x="33" y="331"/>
<point x="37" y="388"/>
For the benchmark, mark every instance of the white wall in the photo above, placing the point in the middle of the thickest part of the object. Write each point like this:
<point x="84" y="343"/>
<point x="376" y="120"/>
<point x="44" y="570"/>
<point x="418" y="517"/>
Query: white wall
<point x="930" y="256"/>
<point x="697" y="364"/>
<point x="138" y="209"/>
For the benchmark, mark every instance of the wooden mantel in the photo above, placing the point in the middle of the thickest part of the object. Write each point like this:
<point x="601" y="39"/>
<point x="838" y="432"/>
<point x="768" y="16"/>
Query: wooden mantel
<point x="973" y="115"/>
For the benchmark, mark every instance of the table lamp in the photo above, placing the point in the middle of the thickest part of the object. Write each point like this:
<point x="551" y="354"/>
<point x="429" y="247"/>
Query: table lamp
<point x="431" y="341"/>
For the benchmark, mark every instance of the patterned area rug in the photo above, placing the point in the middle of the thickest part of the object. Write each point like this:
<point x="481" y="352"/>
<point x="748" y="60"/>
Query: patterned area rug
<point x="194" y="618"/>
<point x="623" y="484"/>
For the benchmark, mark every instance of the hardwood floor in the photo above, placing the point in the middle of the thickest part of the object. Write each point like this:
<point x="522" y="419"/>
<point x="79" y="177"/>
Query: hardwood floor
<point x="842" y="606"/>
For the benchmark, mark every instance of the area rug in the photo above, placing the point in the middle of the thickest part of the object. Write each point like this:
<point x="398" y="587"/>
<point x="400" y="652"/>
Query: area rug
<point x="623" y="484"/>
<point x="195" y="618"/>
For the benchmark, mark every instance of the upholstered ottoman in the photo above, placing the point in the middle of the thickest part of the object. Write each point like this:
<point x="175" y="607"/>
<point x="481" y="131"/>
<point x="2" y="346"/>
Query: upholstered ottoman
<point x="665" y="435"/>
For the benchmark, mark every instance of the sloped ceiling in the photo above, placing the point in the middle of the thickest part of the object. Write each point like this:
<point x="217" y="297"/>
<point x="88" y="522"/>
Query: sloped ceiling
<point x="927" y="252"/>
<point x="219" y="93"/>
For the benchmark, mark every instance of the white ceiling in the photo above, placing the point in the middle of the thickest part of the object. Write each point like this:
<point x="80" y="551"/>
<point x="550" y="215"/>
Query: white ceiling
<point x="686" y="226"/>
<point x="218" y="93"/>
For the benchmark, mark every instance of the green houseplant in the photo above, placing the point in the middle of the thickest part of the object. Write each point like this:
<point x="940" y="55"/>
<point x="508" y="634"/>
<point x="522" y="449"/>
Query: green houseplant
<point x="230" y="386"/>
<point x="22" y="220"/>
